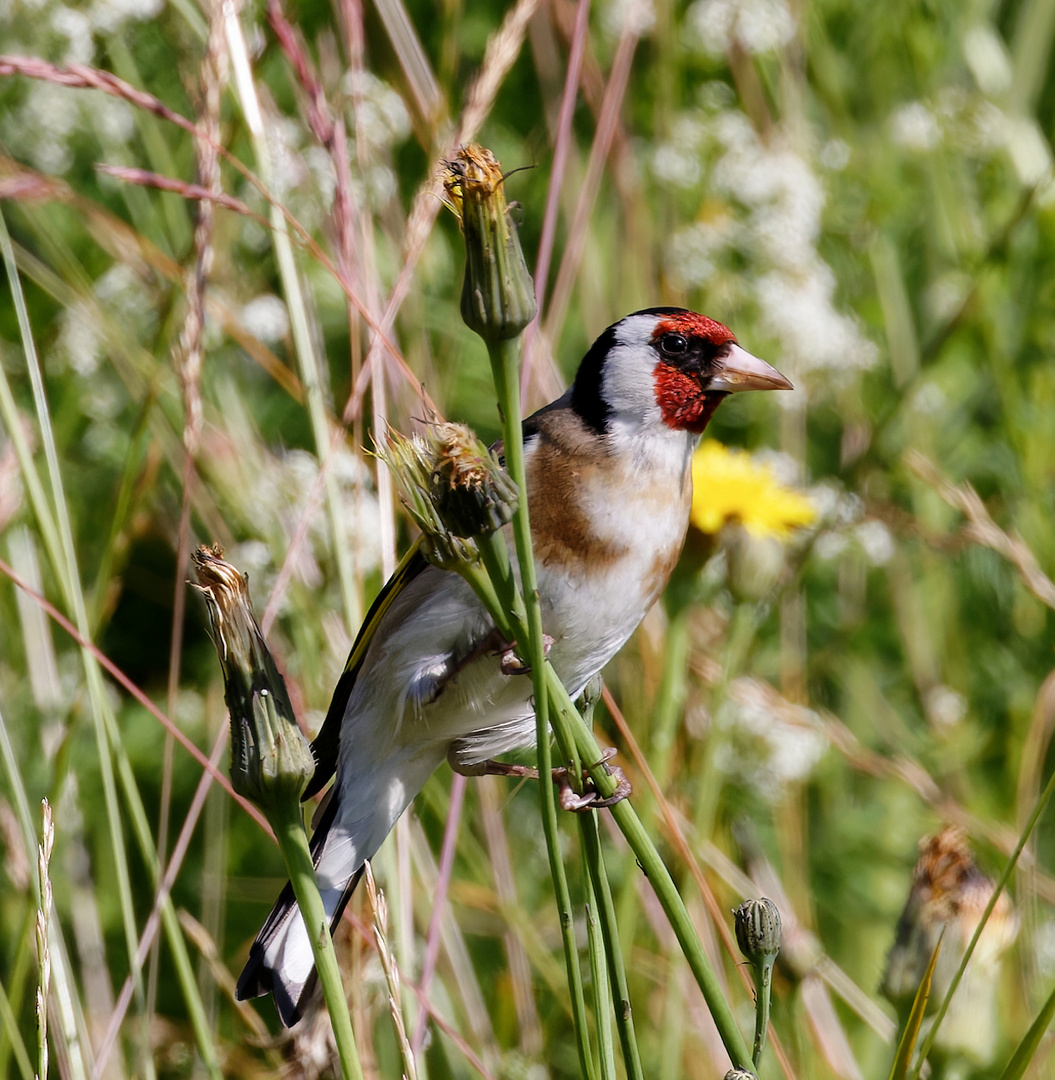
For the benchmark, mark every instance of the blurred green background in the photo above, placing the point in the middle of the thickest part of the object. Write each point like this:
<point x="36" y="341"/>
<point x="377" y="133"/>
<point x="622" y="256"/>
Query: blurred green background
<point x="863" y="192"/>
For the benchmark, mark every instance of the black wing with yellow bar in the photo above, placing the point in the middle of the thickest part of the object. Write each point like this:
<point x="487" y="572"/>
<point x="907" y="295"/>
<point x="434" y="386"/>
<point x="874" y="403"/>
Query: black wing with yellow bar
<point x="327" y="742"/>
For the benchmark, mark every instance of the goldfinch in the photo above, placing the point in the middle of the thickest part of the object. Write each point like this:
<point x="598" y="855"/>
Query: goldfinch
<point x="609" y="483"/>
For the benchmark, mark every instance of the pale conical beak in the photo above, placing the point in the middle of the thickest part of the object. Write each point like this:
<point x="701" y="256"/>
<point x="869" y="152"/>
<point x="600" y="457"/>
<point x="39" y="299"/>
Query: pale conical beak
<point x="739" y="370"/>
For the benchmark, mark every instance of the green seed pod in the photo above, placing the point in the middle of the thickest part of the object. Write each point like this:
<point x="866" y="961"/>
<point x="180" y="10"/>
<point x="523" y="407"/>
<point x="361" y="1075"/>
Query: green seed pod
<point x="757" y="925"/>
<point x="271" y="761"/>
<point x="498" y="295"/>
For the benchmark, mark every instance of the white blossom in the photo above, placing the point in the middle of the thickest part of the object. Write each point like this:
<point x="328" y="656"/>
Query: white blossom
<point x="944" y="706"/>
<point x="915" y="127"/>
<point x="876" y="541"/>
<point x="631" y="16"/>
<point x="758" y="26"/>
<point x="108" y="16"/>
<point x="266" y="318"/>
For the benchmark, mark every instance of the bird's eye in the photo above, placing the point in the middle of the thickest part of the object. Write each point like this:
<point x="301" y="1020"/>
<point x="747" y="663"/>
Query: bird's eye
<point x="673" y="344"/>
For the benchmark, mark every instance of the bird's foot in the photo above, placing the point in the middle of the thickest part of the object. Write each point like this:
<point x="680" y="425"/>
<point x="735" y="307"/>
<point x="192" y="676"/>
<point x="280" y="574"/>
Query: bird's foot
<point x="490" y="767"/>
<point x="590" y="798"/>
<point x="512" y="664"/>
<point x="568" y="797"/>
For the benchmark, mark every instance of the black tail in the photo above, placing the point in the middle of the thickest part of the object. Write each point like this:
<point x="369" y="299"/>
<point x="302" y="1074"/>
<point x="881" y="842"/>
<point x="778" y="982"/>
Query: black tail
<point x="280" y="960"/>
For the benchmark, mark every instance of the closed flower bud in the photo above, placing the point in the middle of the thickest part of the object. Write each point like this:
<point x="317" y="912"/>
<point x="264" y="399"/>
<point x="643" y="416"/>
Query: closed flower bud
<point x="498" y="295"/>
<point x="271" y="760"/>
<point x="740" y="1074"/>
<point x="757" y="925"/>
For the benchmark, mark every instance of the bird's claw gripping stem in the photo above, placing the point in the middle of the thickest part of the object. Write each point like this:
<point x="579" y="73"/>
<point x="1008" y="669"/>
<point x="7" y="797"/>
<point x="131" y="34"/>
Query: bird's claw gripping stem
<point x="569" y="798"/>
<point x="591" y="799"/>
<point x="512" y="664"/>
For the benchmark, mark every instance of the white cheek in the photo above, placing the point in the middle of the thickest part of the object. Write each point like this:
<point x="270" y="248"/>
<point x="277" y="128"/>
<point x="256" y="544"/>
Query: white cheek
<point x="629" y="385"/>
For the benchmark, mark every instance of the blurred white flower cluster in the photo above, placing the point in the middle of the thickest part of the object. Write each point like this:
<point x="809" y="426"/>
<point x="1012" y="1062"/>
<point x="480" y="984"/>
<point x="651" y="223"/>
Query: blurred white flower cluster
<point x="270" y="492"/>
<point x="765" y="743"/>
<point x="381" y="121"/>
<point x="632" y="16"/>
<point x="41" y="128"/>
<point x="761" y="201"/>
<point x="758" y="26"/>
<point x="982" y="122"/>
<point x="845" y="527"/>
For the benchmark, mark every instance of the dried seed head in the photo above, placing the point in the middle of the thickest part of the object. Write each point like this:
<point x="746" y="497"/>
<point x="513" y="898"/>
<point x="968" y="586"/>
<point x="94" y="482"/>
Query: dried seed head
<point x="470" y="490"/>
<point x="757" y="924"/>
<point x="453" y="487"/>
<point x="271" y="760"/>
<point x="498" y="295"/>
<point x="948" y="896"/>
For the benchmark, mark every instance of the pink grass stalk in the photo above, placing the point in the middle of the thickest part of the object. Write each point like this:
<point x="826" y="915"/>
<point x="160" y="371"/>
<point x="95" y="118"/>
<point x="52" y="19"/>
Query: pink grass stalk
<point x="188" y="358"/>
<point x="443" y="881"/>
<point x="145" y="178"/>
<point x="561" y="146"/>
<point x="607" y="124"/>
<point x="149" y="937"/>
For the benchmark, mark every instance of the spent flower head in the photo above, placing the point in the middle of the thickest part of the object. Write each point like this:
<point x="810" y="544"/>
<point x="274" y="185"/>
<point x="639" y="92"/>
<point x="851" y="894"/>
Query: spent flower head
<point x="271" y="761"/>
<point x="453" y="487"/>
<point x="946" y="901"/>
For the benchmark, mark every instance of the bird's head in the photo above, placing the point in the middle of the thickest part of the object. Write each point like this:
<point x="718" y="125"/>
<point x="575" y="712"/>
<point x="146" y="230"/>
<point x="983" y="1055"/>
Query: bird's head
<point x="665" y="368"/>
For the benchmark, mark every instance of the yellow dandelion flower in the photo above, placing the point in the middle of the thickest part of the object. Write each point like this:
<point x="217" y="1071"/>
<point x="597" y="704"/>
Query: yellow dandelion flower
<point x="728" y="486"/>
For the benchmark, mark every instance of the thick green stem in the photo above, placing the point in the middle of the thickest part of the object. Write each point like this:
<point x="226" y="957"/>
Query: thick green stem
<point x="285" y="819"/>
<point x="599" y="965"/>
<point x="505" y="365"/>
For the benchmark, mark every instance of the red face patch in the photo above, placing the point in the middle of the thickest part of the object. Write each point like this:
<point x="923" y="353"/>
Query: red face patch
<point x="684" y="402"/>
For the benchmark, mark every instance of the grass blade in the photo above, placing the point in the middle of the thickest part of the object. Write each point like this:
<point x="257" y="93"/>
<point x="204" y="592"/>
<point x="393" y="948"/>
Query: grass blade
<point x="903" y="1058"/>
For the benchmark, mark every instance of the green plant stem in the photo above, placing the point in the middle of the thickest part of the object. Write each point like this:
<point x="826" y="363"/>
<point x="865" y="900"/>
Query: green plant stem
<point x="659" y="876"/>
<point x="599" y="965"/>
<point x="311" y="370"/>
<point x="285" y="820"/>
<point x="9" y="1024"/>
<point x="64" y="562"/>
<point x="1034" y="817"/>
<point x="1027" y="1049"/>
<point x="560" y="707"/>
<point x="505" y="366"/>
<point x="624" y="1018"/>
<point x="763" y="991"/>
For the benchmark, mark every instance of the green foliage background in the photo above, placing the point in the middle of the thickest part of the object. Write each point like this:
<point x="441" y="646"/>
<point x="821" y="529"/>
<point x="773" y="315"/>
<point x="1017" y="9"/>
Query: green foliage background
<point x="862" y="191"/>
